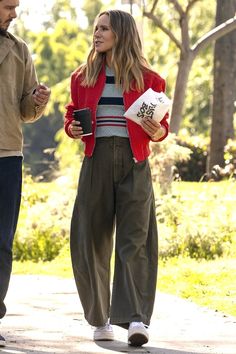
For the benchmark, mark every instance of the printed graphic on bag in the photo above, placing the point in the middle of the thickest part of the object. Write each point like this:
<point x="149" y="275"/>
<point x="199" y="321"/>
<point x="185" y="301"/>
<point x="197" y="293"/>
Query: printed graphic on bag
<point x="146" y="110"/>
<point x="150" y="104"/>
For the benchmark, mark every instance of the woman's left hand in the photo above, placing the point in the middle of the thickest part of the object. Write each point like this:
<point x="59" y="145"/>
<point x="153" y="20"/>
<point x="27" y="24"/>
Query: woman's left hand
<point x="154" y="129"/>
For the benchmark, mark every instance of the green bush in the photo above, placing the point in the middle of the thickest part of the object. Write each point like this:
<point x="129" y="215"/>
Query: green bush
<point x="197" y="221"/>
<point x="40" y="245"/>
<point x="163" y="160"/>
<point x="202" y="244"/>
<point x="195" y="168"/>
<point x="44" y="222"/>
<point x="230" y="158"/>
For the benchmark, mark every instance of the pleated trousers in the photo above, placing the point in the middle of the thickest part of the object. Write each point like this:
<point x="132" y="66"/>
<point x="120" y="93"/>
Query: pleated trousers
<point x="115" y="206"/>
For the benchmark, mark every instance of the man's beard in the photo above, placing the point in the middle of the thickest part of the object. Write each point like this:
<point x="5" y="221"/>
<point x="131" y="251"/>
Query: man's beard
<point x="3" y="32"/>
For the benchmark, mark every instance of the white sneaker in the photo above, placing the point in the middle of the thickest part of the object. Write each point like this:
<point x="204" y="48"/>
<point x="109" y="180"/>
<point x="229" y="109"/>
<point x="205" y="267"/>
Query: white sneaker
<point x="137" y="334"/>
<point x="2" y="341"/>
<point x="103" y="333"/>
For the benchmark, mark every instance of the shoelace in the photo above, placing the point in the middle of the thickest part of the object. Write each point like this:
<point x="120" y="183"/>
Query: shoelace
<point x="107" y="326"/>
<point x="138" y="324"/>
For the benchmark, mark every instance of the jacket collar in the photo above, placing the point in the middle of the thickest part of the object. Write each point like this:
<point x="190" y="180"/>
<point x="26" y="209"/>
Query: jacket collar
<point x="6" y="43"/>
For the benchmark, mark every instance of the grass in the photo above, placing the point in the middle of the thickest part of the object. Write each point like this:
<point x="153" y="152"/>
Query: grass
<point x="207" y="283"/>
<point x="59" y="267"/>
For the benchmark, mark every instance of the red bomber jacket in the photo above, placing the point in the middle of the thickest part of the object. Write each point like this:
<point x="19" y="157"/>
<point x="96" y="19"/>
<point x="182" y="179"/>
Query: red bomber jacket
<point x="82" y="97"/>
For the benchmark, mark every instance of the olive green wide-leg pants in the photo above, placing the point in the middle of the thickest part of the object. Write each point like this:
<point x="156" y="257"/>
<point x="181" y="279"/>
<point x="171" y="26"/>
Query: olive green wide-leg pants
<point x="114" y="192"/>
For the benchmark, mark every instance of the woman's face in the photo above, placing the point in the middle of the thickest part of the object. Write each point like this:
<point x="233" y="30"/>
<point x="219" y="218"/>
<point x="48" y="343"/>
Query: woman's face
<point x="104" y="38"/>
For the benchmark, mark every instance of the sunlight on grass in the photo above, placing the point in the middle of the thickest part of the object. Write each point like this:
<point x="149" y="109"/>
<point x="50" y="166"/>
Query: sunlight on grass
<point x="59" y="267"/>
<point x="208" y="283"/>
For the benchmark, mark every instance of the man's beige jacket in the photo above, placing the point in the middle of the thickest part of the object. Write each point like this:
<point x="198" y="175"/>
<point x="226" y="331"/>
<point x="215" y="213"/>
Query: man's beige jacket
<point x="17" y="82"/>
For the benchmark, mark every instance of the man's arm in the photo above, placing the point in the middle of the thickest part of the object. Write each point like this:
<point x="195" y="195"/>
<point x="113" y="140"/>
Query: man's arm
<point x="35" y="96"/>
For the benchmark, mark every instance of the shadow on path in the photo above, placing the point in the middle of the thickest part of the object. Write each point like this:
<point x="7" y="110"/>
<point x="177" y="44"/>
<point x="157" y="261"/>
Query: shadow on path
<point x="121" y="347"/>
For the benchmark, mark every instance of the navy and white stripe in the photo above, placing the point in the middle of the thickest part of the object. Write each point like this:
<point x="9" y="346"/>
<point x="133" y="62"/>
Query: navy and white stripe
<point x="110" y="112"/>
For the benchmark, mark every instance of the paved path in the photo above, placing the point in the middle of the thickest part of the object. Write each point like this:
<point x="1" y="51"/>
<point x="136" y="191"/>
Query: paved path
<point x="45" y="316"/>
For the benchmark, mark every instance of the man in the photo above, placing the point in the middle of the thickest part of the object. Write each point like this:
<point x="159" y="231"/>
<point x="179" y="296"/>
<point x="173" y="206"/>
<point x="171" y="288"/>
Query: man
<point x="22" y="99"/>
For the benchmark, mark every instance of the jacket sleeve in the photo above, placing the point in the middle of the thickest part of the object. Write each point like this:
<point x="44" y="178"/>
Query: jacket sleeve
<point x="160" y="86"/>
<point x="30" y="112"/>
<point x="70" y="107"/>
<point x="165" y="125"/>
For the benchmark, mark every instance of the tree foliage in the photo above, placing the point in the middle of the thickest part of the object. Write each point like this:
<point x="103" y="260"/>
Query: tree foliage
<point x="91" y="9"/>
<point x="57" y="51"/>
<point x="180" y="12"/>
<point x="61" y="9"/>
<point x="163" y="56"/>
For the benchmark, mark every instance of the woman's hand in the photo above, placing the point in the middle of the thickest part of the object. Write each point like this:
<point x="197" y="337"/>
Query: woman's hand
<point x="154" y="129"/>
<point x="75" y="129"/>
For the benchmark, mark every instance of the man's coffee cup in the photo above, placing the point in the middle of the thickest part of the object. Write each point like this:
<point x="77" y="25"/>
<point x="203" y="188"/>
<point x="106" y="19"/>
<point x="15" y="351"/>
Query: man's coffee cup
<point x="84" y="117"/>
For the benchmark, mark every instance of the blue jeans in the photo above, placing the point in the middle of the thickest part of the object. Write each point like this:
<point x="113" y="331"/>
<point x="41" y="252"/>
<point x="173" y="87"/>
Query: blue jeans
<point x="10" y="198"/>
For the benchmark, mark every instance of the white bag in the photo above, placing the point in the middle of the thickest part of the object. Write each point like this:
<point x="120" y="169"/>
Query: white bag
<point x="150" y="104"/>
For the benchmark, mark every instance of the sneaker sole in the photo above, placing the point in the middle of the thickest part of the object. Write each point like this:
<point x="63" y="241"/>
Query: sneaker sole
<point x="107" y="337"/>
<point x="137" y="340"/>
<point x="103" y="339"/>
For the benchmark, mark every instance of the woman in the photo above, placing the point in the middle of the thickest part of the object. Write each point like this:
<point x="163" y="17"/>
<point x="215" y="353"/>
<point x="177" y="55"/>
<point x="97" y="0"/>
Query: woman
<point x="115" y="187"/>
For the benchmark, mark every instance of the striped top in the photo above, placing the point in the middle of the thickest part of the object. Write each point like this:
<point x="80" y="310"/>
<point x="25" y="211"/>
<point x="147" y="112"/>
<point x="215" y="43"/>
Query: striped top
<point x="110" y="111"/>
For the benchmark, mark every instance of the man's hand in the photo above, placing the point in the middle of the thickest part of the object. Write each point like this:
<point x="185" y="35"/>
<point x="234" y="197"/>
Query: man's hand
<point x="41" y="95"/>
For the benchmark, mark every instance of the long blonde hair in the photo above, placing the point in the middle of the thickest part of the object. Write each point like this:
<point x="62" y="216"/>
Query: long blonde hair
<point x="127" y="58"/>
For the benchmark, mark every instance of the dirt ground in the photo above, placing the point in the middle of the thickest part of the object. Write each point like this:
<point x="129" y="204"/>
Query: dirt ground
<point x="45" y="316"/>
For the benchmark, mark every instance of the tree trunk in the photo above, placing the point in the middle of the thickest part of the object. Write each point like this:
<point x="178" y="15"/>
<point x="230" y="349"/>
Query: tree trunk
<point x="224" y="93"/>
<point x="185" y="65"/>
